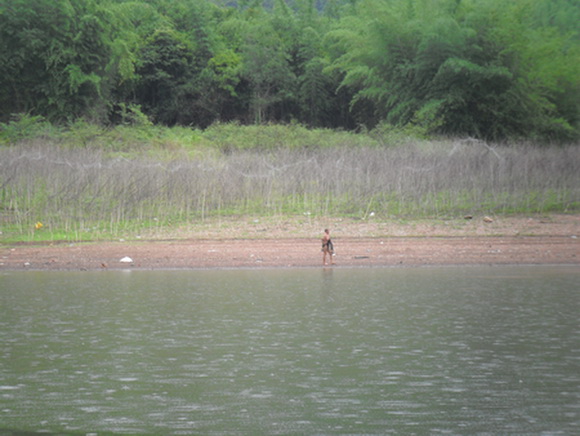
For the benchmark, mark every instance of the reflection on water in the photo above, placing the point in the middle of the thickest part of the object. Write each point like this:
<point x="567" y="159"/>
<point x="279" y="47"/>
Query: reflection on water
<point x="297" y="351"/>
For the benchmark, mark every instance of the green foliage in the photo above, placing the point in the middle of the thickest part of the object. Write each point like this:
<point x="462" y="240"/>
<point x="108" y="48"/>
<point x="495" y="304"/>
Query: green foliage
<point x="266" y="67"/>
<point x="484" y="68"/>
<point x="54" y="59"/>
<point x="490" y="69"/>
<point x="165" y="70"/>
<point x="24" y="127"/>
<point x="234" y="137"/>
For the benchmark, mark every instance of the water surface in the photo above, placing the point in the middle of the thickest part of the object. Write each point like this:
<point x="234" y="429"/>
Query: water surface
<point x="454" y="350"/>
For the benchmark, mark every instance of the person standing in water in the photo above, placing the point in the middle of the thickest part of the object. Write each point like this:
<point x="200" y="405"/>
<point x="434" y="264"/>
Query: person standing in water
<point x="327" y="247"/>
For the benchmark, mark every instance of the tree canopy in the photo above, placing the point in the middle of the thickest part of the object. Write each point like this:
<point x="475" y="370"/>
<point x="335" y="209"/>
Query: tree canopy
<point x="492" y="69"/>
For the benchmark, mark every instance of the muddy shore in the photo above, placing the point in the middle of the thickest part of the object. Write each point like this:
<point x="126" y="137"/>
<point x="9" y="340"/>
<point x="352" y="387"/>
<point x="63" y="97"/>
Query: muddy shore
<point x="256" y="244"/>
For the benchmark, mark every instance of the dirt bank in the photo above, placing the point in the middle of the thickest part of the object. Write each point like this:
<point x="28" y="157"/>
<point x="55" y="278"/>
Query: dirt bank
<point x="278" y="243"/>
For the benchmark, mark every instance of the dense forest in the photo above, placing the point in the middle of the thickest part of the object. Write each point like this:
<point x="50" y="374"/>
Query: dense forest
<point x="491" y="69"/>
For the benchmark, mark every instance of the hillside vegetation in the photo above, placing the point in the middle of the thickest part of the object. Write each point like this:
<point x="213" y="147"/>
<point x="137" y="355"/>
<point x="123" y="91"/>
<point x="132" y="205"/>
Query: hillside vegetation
<point x="123" y="115"/>
<point x="87" y="182"/>
<point x="490" y="69"/>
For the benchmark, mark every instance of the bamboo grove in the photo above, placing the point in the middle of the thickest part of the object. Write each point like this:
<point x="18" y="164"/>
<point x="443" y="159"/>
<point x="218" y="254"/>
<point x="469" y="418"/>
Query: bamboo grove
<point x="490" y="69"/>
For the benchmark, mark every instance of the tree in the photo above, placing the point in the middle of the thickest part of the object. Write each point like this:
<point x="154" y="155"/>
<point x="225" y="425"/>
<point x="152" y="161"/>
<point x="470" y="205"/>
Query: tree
<point x="482" y="68"/>
<point x="265" y="66"/>
<point x="488" y="68"/>
<point x="57" y="59"/>
<point x="543" y="55"/>
<point x="165" y="70"/>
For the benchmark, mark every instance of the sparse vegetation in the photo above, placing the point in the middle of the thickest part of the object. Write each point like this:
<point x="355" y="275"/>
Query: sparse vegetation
<point x="86" y="183"/>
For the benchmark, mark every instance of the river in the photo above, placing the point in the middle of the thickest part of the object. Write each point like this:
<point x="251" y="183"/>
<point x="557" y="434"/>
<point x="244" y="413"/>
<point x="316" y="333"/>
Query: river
<point x="445" y="350"/>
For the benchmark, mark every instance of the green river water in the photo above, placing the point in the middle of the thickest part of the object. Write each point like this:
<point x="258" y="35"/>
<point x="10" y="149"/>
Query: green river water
<point x="367" y="351"/>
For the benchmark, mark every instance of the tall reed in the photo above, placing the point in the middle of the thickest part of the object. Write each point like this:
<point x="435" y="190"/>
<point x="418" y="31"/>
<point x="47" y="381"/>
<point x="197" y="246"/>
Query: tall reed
<point x="76" y="191"/>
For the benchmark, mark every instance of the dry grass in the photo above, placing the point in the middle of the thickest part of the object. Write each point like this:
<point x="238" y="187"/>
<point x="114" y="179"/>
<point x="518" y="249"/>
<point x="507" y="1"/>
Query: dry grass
<point x="82" y="192"/>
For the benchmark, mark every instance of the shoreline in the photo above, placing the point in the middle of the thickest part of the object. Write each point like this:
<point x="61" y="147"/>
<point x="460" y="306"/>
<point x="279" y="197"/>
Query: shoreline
<point x="293" y="253"/>
<point x="286" y="242"/>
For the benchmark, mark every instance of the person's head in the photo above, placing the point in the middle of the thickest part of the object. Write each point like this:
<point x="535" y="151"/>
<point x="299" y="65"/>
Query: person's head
<point x="326" y="231"/>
